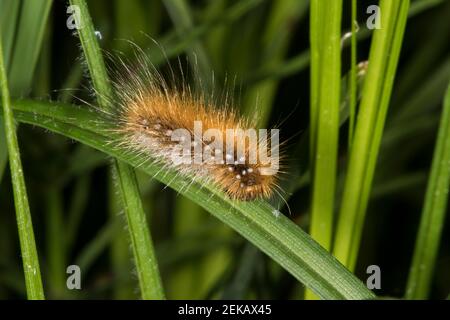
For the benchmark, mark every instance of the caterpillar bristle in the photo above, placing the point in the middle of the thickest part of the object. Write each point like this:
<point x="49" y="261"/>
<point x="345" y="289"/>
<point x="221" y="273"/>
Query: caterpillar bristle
<point x="150" y="113"/>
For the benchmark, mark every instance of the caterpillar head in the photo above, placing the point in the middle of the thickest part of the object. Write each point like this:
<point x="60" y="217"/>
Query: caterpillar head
<point x="247" y="182"/>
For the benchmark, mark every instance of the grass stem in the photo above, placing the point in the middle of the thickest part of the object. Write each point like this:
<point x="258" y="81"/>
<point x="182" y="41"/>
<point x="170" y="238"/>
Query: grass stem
<point x="383" y="59"/>
<point x="433" y="213"/>
<point x="144" y="256"/>
<point x="29" y="254"/>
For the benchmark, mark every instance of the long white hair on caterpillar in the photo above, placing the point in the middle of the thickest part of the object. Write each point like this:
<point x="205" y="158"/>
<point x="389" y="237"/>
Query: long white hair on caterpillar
<point x="196" y="133"/>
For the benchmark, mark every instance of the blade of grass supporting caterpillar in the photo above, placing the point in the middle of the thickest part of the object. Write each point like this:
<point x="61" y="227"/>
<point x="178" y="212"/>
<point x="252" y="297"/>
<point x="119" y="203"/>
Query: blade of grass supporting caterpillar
<point x="384" y="54"/>
<point x="143" y="251"/>
<point x="28" y="249"/>
<point x="278" y="237"/>
<point x="433" y="213"/>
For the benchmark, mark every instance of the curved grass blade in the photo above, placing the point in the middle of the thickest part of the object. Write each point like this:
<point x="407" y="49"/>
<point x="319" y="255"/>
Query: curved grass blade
<point x="279" y="238"/>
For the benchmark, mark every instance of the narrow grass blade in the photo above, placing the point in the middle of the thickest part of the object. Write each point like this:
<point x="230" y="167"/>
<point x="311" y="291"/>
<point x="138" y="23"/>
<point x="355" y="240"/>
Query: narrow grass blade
<point x="77" y="207"/>
<point x="3" y="150"/>
<point x="325" y="74"/>
<point x="279" y="238"/>
<point x="315" y="35"/>
<point x="28" y="43"/>
<point x="325" y="103"/>
<point x="174" y="45"/>
<point x="433" y="213"/>
<point x="93" y="55"/>
<point x="182" y="19"/>
<point x="24" y="224"/>
<point x="384" y="54"/>
<point x="146" y="264"/>
<point x="185" y="281"/>
<point x="301" y="61"/>
<point x="238" y="286"/>
<point x="426" y="55"/>
<point x="55" y="244"/>
<point x="120" y="255"/>
<point x="9" y="10"/>
<point x="275" y="46"/>
<point x="353" y="76"/>
<point x="97" y="245"/>
<point x="23" y="31"/>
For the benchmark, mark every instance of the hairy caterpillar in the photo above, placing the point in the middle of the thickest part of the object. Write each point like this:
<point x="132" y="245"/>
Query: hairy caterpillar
<point x="150" y="115"/>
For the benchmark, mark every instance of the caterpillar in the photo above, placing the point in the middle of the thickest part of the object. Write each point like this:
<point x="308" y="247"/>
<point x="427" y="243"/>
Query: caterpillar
<point x="161" y="121"/>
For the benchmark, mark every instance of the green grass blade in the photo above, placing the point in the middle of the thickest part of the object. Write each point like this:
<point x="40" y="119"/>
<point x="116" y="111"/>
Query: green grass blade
<point x="353" y="76"/>
<point x="77" y="207"/>
<point x="181" y="16"/>
<point x="93" y="55"/>
<point x="376" y="93"/>
<point x="325" y="103"/>
<point x="120" y="255"/>
<point x="9" y="10"/>
<point x="185" y="281"/>
<point x="148" y="273"/>
<point x="315" y="35"/>
<point x="28" y="43"/>
<point x="24" y="224"/>
<point x="174" y="45"/>
<point x="275" y="46"/>
<point x="420" y="6"/>
<point x="55" y="244"/>
<point x="426" y="55"/>
<point x="238" y="286"/>
<point x="325" y="74"/>
<point x="420" y="101"/>
<point x="23" y="40"/>
<point x="433" y="213"/>
<point x="301" y="61"/>
<point x="97" y="245"/>
<point x="146" y="264"/>
<point x="278" y="237"/>
<point x="3" y="150"/>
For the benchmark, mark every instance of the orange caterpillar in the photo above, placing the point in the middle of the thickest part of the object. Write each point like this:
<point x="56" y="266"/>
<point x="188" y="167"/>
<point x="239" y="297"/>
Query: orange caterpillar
<point x="150" y="114"/>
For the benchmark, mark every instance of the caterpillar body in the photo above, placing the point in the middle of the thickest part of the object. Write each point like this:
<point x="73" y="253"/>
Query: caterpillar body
<point x="151" y="113"/>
